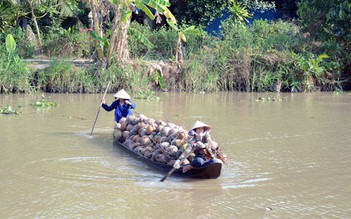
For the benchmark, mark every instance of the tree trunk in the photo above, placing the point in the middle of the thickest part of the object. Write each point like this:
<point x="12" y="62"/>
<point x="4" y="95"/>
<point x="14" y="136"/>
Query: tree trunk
<point x="40" y="45"/>
<point x="97" y="29"/>
<point x="179" y="52"/>
<point x="119" y="49"/>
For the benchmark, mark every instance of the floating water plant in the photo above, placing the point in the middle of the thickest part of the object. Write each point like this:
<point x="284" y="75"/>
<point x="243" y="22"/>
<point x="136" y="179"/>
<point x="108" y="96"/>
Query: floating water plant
<point x="43" y="103"/>
<point x="268" y="99"/>
<point x="8" y="110"/>
<point x="146" y="95"/>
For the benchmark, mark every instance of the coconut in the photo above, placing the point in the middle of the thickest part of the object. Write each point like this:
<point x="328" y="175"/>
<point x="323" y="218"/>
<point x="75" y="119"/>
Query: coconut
<point x="172" y="137"/>
<point x="164" y="145"/>
<point x="157" y="146"/>
<point x="133" y="131"/>
<point x="159" y="128"/>
<point x="117" y="133"/>
<point x="172" y="150"/>
<point x="134" y="145"/>
<point x="136" y="138"/>
<point x="148" y="154"/>
<point x="172" y="125"/>
<point x="123" y="124"/>
<point x="151" y="121"/>
<point x="125" y="134"/>
<point x="162" y="158"/>
<point x="165" y="131"/>
<point x="143" y="132"/>
<point x="155" y="153"/>
<point x="142" y="117"/>
<point x="149" y="148"/>
<point x="130" y="119"/>
<point x="157" y="138"/>
<point x="129" y="127"/>
<point x="122" y="120"/>
<point x="145" y="140"/>
<point x="182" y="134"/>
<point x="147" y="121"/>
<point x="173" y="131"/>
<point x="149" y="129"/>
<point x="140" y="125"/>
<point x="128" y="143"/>
<point x="163" y="139"/>
<point x="140" y="130"/>
<point x="117" y="126"/>
<point x="135" y="120"/>
<point x="138" y="149"/>
<point x="148" y="151"/>
<point x="178" y="142"/>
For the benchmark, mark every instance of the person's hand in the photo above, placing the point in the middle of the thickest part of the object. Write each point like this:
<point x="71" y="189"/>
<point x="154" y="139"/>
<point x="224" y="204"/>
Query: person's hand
<point x="103" y="101"/>
<point x="128" y="102"/>
<point x="200" y="144"/>
<point x="176" y="164"/>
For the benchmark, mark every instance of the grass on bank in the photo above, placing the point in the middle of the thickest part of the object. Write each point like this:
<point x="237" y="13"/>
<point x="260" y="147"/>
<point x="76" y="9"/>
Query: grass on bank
<point x="265" y="56"/>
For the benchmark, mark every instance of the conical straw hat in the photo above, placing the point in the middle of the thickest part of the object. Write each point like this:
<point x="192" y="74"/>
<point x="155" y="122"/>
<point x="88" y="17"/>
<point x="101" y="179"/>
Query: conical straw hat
<point x="199" y="124"/>
<point x="122" y="94"/>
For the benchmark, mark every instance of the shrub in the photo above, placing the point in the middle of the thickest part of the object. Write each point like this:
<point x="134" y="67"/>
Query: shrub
<point x="72" y="43"/>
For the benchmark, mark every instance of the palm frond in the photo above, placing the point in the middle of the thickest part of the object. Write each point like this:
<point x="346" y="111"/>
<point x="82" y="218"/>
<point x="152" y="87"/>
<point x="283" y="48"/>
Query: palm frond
<point x="140" y="37"/>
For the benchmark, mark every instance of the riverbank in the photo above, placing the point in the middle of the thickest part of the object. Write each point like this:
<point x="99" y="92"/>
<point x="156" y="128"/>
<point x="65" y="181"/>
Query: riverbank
<point x="265" y="56"/>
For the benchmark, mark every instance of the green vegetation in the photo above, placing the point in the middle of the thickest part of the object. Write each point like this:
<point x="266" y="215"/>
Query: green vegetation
<point x="14" y="74"/>
<point x="145" y="95"/>
<point x="8" y="110"/>
<point x="43" y="103"/>
<point x="309" y="54"/>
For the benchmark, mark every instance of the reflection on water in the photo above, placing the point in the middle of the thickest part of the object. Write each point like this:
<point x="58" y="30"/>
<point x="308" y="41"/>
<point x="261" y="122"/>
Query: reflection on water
<point x="291" y="155"/>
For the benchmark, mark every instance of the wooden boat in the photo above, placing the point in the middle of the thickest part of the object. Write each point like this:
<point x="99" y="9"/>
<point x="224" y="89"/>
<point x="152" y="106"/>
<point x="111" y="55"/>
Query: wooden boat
<point x="210" y="171"/>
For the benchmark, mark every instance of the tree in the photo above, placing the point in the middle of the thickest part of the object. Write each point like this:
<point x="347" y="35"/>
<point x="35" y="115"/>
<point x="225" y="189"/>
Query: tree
<point x="8" y="15"/>
<point x="37" y="9"/>
<point x="329" y="20"/>
<point x="202" y="12"/>
<point x="112" y="36"/>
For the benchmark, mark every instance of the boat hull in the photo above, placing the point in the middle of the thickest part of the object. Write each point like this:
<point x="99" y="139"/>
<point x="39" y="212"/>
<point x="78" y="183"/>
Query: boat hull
<point x="210" y="171"/>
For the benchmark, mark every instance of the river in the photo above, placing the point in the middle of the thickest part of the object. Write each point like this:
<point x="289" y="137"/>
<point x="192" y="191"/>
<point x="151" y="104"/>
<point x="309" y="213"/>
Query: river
<point x="292" y="155"/>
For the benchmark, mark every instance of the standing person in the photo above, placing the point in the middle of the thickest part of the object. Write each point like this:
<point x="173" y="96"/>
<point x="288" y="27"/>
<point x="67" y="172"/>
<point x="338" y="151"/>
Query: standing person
<point x="201" y="139"/>
<point x="123" y="105"/>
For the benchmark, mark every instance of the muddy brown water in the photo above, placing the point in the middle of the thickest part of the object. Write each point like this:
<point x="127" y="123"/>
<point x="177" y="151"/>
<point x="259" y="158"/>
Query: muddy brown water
<point x="292" y="155"/>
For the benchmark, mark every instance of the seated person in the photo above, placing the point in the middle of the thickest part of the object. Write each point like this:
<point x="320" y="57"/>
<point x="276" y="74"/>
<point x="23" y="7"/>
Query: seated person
<point x="200" y="144"/>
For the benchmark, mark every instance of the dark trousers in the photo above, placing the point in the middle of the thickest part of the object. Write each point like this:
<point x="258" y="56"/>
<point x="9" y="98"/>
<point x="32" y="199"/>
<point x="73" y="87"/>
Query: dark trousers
<point x="200" y="162"/>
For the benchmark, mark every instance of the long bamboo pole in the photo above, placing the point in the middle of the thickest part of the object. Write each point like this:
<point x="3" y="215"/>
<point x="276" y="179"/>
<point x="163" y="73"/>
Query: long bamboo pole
<point x="97" y="115"/>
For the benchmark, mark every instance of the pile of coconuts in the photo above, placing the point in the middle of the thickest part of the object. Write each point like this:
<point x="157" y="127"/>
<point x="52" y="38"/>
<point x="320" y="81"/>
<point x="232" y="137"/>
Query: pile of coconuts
<point x="157" y="140"/>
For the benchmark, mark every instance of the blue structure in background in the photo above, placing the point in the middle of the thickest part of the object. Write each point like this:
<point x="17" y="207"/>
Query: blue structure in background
<point x="214" y="27"/>
<point x="266" y="15"/>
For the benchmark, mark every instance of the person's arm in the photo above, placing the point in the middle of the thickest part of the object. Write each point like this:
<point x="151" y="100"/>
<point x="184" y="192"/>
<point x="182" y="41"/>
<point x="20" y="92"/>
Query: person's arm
<point x="209" y="149"/>
<point x="109" y="108"/>
<point x="188" y="150"/>
<point x="209" y="145"/>
<point x="131" y="104"/>
<point x="206" y="146"/>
